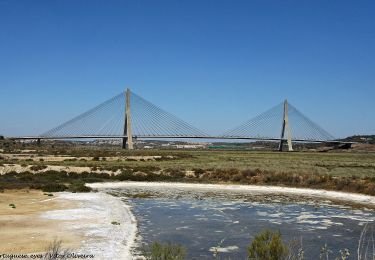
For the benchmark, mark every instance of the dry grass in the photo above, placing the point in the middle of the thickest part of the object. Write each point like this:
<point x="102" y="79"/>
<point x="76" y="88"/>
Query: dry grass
<point x="353" y="172"/>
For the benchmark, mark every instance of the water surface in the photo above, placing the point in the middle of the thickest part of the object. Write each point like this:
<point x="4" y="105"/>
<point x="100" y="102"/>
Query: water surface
<point x="206" y="221"/>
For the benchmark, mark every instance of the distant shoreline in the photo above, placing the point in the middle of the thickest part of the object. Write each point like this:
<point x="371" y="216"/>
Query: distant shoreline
<point x="365" y="200"/>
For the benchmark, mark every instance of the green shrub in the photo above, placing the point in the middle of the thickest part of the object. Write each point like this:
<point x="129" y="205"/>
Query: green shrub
<point x="267" y="245"/>
<point x="54" y="187"/>
<point x="55" y="251"/>
<point x="167" y="251"/>
<point x="79" y="187"/>
<point x="198" y="172"/>
<point x="125" y="175"/>
<point x="38" y="167"/>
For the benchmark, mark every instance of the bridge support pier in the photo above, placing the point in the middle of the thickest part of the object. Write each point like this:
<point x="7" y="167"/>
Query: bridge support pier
<point x="38" y="142"/>
<point x="127" y="142"/>
<point x="286" y="127"/>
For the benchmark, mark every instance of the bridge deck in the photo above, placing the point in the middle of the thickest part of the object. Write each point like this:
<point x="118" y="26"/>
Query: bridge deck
<point x="171" y="137"/>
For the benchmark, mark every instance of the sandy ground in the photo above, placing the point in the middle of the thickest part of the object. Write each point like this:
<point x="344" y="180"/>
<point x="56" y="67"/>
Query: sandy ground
<point x="82" y="221"/>
<point x="365" y="200"/>
<point x="22" y="230"/>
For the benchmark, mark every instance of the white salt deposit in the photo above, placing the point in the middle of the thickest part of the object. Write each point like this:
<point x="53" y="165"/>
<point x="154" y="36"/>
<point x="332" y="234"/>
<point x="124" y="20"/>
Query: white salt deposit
<point x="256" y="189"/>
<point x="93" y="219"/>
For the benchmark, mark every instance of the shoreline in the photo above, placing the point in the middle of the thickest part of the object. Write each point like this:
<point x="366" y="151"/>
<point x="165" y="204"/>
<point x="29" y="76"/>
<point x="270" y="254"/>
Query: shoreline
<point x="361" y="199"/>
<point x="93" y="218"/>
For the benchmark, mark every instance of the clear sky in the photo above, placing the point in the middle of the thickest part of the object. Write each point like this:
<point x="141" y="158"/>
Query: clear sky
<point x="214" y="64"/>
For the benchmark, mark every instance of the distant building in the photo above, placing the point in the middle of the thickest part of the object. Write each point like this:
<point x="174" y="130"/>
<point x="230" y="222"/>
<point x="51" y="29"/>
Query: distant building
<point x="190" y="146"/>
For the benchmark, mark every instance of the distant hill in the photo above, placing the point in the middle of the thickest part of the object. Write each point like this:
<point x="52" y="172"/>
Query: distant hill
<point x="366" y="139"/>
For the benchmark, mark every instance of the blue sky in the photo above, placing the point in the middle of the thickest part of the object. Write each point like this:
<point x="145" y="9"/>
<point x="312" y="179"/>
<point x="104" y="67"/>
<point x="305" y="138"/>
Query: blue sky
<point x="213" y="63"/>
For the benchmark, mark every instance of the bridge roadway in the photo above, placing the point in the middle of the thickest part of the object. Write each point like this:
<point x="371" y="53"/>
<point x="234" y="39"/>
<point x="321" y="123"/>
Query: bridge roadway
<point x="171" y="137"/>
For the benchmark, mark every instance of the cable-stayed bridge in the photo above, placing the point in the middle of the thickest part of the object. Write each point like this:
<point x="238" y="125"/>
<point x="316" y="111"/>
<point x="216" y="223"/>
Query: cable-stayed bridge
<point x="128" y="116"/>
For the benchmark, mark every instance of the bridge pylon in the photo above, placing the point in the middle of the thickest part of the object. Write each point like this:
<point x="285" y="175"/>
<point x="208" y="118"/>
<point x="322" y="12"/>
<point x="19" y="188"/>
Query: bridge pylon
<point x="127" y="142"/>
<point x="286" y="127"/>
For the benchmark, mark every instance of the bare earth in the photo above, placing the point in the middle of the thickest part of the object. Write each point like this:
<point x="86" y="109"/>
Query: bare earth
<point x="23" y="230"/>
<point x="83" y="222"/>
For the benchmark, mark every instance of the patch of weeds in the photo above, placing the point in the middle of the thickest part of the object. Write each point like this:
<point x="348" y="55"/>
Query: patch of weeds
<point x="12" y="205"/>
<point x="198" y="172"/>
<point x="38" y="167"/>
<point x="79" y="187"/>
<point x="115" y="223"/>
<point x="70" y="160"/>
<point x="175" y="173"/>
<point x="48" y="194"/>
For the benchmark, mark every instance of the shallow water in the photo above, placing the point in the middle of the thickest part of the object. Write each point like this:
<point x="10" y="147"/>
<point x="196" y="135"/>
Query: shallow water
<point x="206" y="222"/>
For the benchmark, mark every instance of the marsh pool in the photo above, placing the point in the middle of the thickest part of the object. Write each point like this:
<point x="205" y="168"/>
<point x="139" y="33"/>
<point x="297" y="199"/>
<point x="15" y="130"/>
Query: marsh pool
<point x="210" y="222"/>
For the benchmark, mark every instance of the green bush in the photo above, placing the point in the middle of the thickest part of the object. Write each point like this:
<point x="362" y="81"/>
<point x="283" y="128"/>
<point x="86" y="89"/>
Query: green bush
<point x="38" y="167"/>
<point x="167" y="251"/>
<point x="54" y="187"/>
<point x="267" y="245"/>
<point x="79" y="187"/>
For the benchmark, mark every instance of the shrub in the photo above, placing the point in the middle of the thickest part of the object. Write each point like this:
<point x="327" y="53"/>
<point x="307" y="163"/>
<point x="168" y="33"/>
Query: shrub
<point x="249" y="173"/>
<point x="55" y="251"/>
<point x="54" y="187"/>
<point x="125" y="175"/>
<point x="198" y="172"/>
<point x="167" y="251"/>
<point x="237" y="177"/>
<point x="38" y="167"/>
<point x="79" y="187"/>
<point x="267" y="245"/>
